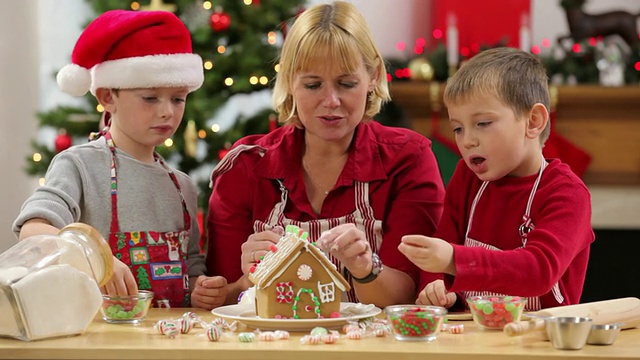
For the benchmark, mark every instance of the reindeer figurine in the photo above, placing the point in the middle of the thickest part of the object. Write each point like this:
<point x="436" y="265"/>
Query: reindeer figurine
<point x="583" y="26"/>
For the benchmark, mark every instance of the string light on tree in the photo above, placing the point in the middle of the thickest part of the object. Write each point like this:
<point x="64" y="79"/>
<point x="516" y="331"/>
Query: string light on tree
<point x="190" y="139"/>
<point x="159" y="5"/>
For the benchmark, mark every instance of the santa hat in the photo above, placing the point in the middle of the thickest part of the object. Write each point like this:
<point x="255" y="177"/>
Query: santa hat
<point x="124" y="49"/>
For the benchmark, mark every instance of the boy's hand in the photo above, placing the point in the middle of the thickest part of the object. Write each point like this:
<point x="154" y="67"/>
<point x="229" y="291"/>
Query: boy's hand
<point x="428" y="253"/>
<point x="435" y="293"/>
<point x="122" y="282"/>
<point x="209" y="292"/>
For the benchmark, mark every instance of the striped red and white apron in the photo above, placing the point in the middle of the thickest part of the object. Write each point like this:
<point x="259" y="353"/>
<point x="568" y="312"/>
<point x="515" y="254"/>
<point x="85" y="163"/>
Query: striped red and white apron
<point x="533" y="303"/>
<point x="362" y="217"/>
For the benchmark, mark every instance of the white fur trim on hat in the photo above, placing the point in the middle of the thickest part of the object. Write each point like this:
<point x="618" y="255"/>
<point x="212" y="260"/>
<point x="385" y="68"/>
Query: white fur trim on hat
<point x="74" y="79"/>
<point x="175" y="70"/>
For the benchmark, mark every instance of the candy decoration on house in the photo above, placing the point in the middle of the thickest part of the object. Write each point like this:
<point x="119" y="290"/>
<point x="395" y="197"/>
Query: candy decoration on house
<point x="559" y="147"/>
<point x="296" y="280"/>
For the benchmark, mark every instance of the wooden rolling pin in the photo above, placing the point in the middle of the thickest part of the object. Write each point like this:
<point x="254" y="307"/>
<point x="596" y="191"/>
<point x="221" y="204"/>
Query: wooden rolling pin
<point x="624" y="310"/>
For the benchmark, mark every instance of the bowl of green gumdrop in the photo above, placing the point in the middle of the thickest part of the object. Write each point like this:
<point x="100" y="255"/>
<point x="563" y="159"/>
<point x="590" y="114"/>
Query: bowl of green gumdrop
<point x="126" y="309"/>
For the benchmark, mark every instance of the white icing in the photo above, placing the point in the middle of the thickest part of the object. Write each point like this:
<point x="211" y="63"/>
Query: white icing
<point x="248" y="296"/>
<point x="56" y="301"/>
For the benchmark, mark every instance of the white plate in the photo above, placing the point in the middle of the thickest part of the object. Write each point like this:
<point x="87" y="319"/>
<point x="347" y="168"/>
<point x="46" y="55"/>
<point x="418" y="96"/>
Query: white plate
<point x="246" y="314"/>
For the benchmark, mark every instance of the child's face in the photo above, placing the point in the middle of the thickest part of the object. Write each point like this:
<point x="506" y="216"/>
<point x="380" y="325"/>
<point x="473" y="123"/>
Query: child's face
<point x="491" y="138"/>
<point x="147" y="117"/>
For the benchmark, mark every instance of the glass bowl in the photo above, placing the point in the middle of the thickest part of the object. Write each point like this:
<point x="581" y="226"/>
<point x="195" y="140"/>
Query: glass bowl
<point x="415" y="322"/>
<point x="494" y="312"/>
<point x="126" y="309"/>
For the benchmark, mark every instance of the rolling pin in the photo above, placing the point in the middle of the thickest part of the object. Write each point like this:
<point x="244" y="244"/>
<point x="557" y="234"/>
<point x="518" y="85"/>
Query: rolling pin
<point x="624" y="310"/>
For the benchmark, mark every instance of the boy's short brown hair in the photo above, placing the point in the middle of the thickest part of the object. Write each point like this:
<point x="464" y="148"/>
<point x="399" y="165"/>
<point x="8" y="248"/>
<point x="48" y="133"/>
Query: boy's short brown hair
<point x="517" y="78"/>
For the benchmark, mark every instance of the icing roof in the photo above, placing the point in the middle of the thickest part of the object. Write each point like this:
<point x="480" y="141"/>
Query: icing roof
<point x="289" y="248"/>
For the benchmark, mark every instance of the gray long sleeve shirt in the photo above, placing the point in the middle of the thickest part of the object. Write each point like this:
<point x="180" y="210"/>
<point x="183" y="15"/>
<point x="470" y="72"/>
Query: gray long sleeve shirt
<point x="78" y="189"/>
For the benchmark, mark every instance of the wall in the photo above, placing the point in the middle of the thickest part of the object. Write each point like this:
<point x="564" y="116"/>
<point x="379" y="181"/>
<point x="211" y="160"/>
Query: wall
<point x="37" y="36"/>
<point x="18" y="104"/>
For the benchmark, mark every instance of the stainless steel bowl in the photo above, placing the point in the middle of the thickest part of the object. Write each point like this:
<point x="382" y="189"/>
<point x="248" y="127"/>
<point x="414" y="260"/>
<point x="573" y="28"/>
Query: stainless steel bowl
<point x="603" y="334"/>
<point x="568" y="333"/>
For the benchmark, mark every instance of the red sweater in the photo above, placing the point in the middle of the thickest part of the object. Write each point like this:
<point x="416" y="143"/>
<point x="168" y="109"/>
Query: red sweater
<point x="557" y="250"/>
<point x="405" y="191"/>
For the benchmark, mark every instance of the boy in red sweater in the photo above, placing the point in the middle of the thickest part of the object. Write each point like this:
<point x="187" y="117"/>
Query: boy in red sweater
<point x="514" y="222"/>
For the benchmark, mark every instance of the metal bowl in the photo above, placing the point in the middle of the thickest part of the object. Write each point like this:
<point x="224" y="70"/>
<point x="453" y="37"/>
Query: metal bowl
<point x="568" y="333"/>
<point x="603" y="334"/>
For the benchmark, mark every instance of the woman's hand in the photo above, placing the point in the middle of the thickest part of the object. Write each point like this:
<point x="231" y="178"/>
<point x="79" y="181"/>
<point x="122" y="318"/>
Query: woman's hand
<point x="258" y="245"/>
<point x="349" y="245"/>
<point x="122" y="282"/>
<point x="435" y="293"/>
<point x="209" y="292"/>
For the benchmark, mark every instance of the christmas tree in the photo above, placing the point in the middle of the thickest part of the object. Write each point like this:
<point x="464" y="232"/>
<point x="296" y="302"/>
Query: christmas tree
<point x="239" y="42"/>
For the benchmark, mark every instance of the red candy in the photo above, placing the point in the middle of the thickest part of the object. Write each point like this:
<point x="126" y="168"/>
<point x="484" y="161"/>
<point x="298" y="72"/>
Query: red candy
<point x="494" y="312"/>
<point x="415" y="322"/>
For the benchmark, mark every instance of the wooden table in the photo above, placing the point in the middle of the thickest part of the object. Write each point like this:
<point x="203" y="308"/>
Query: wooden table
<point x="107" y="341"/>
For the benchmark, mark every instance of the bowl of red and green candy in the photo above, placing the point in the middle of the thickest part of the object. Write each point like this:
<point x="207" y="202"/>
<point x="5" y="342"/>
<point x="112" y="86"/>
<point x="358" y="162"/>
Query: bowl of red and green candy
<point x="127" y="309"/>
<point x="415" y="322"/>
<point x="494" y="312"/>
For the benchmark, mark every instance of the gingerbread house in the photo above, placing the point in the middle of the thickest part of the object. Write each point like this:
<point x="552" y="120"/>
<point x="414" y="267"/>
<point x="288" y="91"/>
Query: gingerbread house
<point x="297" y="281"/>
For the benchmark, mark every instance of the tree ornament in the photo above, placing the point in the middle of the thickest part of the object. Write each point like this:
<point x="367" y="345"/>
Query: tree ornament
<point x="222" y="152"/>
<point x="190" y="139"/>
<point x="63" y="141"/>
<point x="159" y="5"/>
<point x="220" y="21"/>
<point x="421" y="69"/>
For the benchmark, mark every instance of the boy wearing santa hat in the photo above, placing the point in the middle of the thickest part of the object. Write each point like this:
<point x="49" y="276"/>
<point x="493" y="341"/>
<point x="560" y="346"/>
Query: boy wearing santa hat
<point x="140" y="67"/>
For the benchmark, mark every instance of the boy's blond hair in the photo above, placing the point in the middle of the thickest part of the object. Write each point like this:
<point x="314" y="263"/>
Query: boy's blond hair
<point x="340" y="31"/>
<point x="517" y="78"/>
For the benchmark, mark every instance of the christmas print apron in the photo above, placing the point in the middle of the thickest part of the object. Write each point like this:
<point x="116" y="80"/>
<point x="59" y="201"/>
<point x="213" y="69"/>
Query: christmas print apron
<point x="362" y="217"/>
<point x="158" y="260"/>
<point x="533" y="303"/>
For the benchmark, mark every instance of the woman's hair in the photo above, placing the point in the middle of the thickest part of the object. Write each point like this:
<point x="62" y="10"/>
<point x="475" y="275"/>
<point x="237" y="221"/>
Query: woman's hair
<point x="517" y="78"/>
<point x="329" y="32"/>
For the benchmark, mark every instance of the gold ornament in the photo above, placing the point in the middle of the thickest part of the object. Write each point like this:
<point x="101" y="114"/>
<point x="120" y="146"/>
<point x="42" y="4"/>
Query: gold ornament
<point x="190" y="139"/>
<point x="421" y="69"/>
<point x="156" y="5"/>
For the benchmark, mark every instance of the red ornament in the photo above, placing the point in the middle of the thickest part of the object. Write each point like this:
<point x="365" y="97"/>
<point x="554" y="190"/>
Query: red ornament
<point x="222" y="153"/>
<point x="63" y="141"/>
<point x="220" y="21"/>
<point x="255" y="2"/>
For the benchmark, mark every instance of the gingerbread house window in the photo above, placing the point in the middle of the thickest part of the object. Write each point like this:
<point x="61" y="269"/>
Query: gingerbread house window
<point x="327" y="292"/>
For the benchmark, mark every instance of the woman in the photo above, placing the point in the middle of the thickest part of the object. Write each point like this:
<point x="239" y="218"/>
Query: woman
<point x="329" y="169"/>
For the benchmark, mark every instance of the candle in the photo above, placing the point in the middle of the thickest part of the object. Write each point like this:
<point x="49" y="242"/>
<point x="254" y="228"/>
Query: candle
<point x="452" y="41"/>
<point x="525" y="33"/>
